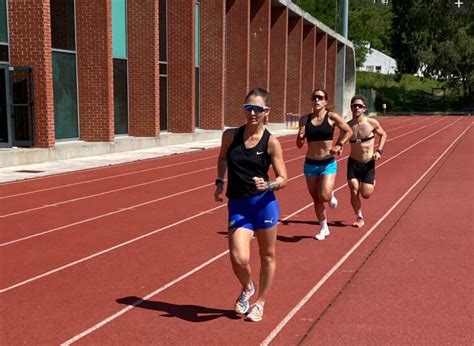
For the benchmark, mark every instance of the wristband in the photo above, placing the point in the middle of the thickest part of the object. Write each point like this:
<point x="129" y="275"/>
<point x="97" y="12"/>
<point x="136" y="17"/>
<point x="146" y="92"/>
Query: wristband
<point x="219" y="181"/>
<point x="380" y="151"/>
<point x="340" y="144"/>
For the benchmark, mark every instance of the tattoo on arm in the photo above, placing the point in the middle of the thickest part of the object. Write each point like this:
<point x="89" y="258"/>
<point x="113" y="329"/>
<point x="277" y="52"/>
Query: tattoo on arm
<point x="272" y="185"/>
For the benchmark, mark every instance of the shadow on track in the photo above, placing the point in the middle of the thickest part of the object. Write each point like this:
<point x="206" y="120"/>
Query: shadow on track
<point x="191" y="313"/>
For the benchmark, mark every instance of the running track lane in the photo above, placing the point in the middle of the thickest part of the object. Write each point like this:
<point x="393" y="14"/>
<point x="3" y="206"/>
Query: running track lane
<point x="227" y="268"/>
<point x="150" y="315"/>
<point x="416" y="287"/>
<point x="91" y="237"/>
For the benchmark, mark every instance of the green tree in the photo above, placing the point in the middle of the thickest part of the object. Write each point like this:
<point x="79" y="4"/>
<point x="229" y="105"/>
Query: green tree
<point x="406" y="35"/>
<point x="323" y="10"/>
<point x="446" y="50"/>
<point x="369" y="25"/>
<point x="369" y="22"/>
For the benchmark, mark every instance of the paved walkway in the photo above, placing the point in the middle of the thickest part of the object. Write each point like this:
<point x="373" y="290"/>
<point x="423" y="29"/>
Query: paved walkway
<point x="14" y="173"/>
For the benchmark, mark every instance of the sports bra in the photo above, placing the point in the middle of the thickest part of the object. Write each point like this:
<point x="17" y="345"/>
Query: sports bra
<point x="322" y="132"/>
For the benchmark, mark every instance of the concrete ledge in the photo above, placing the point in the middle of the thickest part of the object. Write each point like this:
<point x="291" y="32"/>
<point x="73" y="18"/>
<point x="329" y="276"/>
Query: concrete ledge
<point x="76" y="149"/>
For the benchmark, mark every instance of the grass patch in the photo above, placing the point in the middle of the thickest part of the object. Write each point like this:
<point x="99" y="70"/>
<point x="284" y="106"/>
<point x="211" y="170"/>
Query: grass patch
<point x="407" y="93"/>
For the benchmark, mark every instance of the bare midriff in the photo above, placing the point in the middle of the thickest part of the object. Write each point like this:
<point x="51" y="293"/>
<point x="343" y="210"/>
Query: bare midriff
<point x="363" y="152"/>
<point x="319" y="150"/>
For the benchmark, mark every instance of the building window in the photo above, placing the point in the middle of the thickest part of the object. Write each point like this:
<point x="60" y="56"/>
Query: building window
<point x="119" y="45"/>
<point x="65" y="95"/>
<point x="3" y="52"/>
<point x="3" y="22"/>
<point x="378" y="69"/>
<point x="63" y="45"/>
<point x="163" y="65"/>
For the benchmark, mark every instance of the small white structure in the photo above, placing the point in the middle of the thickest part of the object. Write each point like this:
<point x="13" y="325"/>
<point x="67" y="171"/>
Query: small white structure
<point x="379" y="62"/>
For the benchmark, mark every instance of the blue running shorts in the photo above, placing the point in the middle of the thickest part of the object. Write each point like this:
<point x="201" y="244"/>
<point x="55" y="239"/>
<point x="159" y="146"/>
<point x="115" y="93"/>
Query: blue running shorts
<point x="255" y="212"/>
<point x="315" y="168"/>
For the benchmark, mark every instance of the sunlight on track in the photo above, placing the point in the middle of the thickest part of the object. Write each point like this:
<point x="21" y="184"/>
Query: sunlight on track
<point x="161" y="198"/>
<point x="342" y="259"/>
<point x="321" y="282"/>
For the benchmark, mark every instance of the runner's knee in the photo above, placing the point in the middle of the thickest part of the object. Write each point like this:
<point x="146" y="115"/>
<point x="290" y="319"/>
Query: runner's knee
<point x="239" y="260"/>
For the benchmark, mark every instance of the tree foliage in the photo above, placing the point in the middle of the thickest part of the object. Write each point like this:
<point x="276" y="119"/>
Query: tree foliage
<point x="369" y="22"/>
<point x="406" y="34"/>
<point x="432" y="36"/>
<point x="446" y="51"/>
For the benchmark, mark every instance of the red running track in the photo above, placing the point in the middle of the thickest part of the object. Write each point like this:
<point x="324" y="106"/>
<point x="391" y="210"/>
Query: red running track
<point x="137" y="253"/>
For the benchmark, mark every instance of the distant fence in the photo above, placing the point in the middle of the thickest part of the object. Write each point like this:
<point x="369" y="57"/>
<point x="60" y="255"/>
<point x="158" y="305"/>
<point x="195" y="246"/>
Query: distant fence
<point x="292" y="120"/>
<point x="369" y="94"/>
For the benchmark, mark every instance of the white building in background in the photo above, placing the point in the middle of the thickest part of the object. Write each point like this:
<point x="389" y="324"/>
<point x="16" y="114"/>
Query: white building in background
<point x="379" y="62"/>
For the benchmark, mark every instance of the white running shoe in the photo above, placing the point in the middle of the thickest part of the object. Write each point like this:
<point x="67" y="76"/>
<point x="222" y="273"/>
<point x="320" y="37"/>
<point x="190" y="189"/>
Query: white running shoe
<point x="322" y="234"/>
<point x="242" y="304"/>
<point x="333" y="202"/>
<point x="255" y="314"/>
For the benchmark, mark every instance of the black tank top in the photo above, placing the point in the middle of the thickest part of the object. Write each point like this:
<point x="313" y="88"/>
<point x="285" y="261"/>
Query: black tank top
<point x="243" y="164"/>
<point x="322" y="132"/>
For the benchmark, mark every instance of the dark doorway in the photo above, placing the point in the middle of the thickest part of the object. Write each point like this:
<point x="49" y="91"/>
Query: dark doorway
<point x="5" y="127"/>
<point x="21" y="81"/>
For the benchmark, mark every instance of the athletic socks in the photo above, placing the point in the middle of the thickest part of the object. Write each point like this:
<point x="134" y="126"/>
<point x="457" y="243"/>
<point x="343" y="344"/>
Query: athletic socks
<point x="333" y="202"/>
<point x="359" y="222"/>
<point x="324" y="232"/>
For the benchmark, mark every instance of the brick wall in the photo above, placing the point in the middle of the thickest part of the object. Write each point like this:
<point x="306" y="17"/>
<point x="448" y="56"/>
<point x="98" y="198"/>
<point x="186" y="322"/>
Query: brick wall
<point x="295" y="37"/>
<point x="143" y="68"/>
<point x="212" y="64"/>
<point x="30" y="45"/>
<point x="181" y="76"/>
<point x="278" y="63"/>
<point x="237" y="60"/>
<point x="307" y="68"/>
<point x="320" y="62"/>
<point x="331" y="71"/>
<point x="259" y="69"/>
<point x="95" y="70"/>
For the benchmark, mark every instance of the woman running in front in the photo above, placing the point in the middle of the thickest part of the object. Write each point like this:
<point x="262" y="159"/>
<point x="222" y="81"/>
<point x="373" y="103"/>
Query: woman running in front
<point x="247" y="153"/>
<point x="320" y="166"/>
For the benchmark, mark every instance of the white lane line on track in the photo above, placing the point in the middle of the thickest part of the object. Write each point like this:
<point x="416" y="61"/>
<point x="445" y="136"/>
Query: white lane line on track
<point x="156" y="200"/>
<point x="106" y="192"/>
<point x="99" y="179"/>
<point x="134" y="172"/>
<point x="148" y="182"/>
<point x="326" y="277"/>
<point x="150" y="295"/>
<point x="3" y="290"/>
<point x="159" y="290"/>
<point x="174" y="224"/>
<point x="138" y="302"/>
